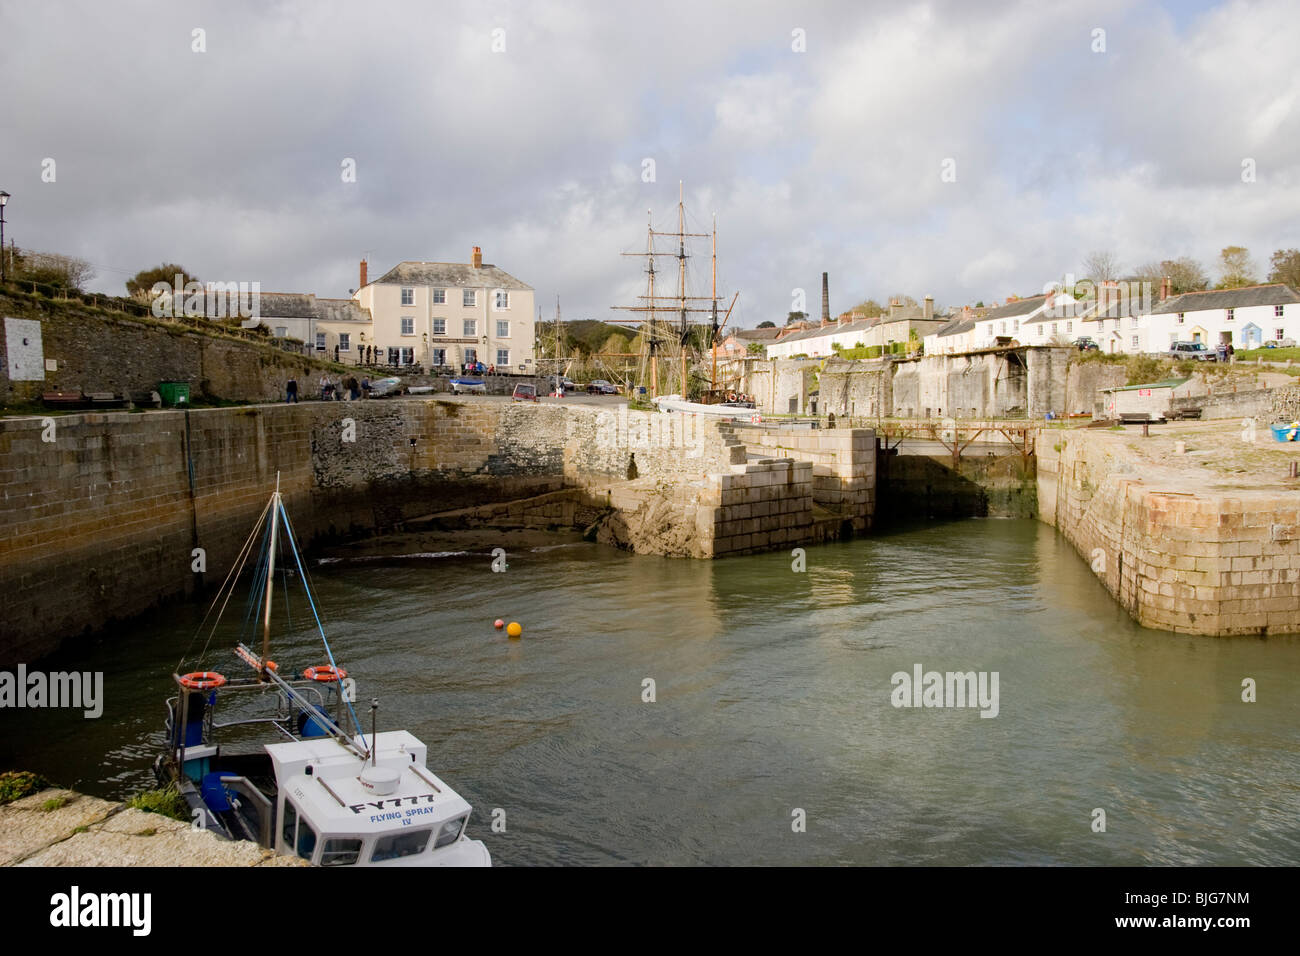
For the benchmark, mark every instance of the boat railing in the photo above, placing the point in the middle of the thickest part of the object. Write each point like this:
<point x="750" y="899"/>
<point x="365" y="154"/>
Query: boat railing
<point x="245" y="788"/>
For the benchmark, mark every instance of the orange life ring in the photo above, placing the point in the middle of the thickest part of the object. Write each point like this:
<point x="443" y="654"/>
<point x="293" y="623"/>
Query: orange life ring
<point x="325" y="673"/>
<point x="202" y="680"/>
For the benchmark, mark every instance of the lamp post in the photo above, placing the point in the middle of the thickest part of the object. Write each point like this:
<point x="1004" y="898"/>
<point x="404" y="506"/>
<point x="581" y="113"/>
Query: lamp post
<point x="4" y="200"/>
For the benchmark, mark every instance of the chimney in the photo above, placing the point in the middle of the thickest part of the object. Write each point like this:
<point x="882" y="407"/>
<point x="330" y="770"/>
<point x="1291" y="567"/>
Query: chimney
<point x="826" y="297"/>
<point x="1166" y="288"/>
<point x="363" y="275"/>
<point x="476" y="257"/>
<point x="929" y="307"/>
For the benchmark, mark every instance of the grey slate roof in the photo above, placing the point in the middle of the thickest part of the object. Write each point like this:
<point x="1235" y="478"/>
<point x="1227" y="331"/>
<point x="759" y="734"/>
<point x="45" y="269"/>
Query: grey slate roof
<point x="451" y="275"/>
<point x="957" y="326"/>
<point x="341" y="310"/>
<point x="1012" y="309"/>
<point x="756" y="335"/>
<point x="305" y="305"/>
<point x="1274" y="294"/>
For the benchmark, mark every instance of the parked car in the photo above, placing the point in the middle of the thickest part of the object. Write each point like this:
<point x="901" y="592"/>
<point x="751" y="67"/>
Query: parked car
<point x="385" y="387"/>
<point x="1191" y="351"/>
<point x="1085" y="343"/>
<point x="524" y="393"/>
<point x="601" y="387"/>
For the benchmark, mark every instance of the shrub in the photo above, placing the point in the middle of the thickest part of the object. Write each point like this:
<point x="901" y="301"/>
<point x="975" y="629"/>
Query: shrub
<point x="16" y="784"/>
<point x="167" y="801"/>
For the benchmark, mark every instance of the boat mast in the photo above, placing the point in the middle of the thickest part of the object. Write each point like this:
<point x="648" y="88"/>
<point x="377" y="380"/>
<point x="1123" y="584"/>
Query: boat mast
<point x="713" y="375"/>
<point x="654" y="352"/>
<point x="681" y="291"/>
<point x="270" y="571"/>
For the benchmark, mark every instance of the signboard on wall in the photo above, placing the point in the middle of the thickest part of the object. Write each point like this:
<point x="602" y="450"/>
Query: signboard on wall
<point x="23" y="346"/>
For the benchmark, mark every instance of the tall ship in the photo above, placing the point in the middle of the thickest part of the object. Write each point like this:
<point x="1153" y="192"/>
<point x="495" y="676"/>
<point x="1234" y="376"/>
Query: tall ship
<point x="266" y="757"/>
<point x="668" y="318"/>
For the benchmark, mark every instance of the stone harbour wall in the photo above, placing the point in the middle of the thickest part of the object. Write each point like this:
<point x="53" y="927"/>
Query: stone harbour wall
<point x="1174" y="553"/>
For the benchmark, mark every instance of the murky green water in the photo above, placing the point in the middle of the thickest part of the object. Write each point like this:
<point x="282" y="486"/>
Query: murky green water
<point x="773" y="693"/>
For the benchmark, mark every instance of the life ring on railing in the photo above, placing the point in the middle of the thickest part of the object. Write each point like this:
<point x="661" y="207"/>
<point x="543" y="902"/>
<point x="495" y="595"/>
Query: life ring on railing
<point x="325" y="673"/>
<point x="202" y="680"/>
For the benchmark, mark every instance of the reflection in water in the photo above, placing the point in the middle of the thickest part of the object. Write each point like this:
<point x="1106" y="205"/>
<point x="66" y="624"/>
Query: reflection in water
<point x="773" y="693"/>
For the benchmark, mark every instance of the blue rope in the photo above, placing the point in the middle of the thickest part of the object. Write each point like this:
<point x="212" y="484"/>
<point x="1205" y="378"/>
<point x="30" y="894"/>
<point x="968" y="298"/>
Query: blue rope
<point x="320" y="627"/>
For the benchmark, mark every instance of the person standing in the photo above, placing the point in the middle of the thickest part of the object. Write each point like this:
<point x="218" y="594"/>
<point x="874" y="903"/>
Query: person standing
<point x="365" y="386"/>
<point x="291" y="392"/>
<point x="1232" y="352"/>
<point x="324" y="386"/>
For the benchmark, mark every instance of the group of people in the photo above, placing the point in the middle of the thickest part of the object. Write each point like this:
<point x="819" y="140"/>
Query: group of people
<point x="1226" y="351"/>
<point x="347" y="390"/>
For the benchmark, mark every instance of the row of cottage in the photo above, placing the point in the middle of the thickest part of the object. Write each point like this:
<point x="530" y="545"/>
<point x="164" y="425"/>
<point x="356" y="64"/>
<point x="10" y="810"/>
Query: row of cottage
<point x="1114" y="319"/>
<point x="418" y="313"/>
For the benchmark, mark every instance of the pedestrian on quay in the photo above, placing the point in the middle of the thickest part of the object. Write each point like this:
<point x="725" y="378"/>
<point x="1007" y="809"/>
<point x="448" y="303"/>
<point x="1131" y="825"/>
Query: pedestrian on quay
<point x="291" y="392"/>
<point x="354" y="389"/>
<point x="1223" y="352"/>
<point x="324" y="387"/>
<point x="365" y="386"/>
<point x="1232" y="352"/>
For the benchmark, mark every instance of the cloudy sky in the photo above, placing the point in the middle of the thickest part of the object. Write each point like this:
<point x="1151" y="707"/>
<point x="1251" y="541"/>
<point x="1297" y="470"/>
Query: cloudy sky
<point x="818" y="133"/>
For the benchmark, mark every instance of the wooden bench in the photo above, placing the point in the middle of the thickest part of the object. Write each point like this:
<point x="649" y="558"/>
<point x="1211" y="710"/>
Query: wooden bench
<point x="64" y="399"/>
<point x="1187" y="413"/>
<point x="106" y="399"/>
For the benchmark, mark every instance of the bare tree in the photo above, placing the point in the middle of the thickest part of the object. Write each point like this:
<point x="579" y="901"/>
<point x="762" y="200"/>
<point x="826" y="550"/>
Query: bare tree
<point x="1185" y="275"/>
<point x="1101" y="266"/>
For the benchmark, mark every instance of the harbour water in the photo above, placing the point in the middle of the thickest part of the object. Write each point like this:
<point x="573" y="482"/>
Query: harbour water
<point x="772" y="695"/>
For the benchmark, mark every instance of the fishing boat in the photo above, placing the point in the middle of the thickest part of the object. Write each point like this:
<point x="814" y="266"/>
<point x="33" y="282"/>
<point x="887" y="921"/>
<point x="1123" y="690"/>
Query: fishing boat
<point x="329" y="795"/>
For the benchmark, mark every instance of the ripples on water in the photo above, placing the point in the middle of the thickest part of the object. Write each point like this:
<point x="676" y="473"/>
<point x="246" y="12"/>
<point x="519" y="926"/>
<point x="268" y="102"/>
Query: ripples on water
<point x="773" y="693"/>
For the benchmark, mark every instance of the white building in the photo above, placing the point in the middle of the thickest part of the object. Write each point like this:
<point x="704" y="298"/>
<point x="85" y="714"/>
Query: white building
<point x="450" y="313"/>
<point x="1246" y="318"/>
<point x="851" y="331"/>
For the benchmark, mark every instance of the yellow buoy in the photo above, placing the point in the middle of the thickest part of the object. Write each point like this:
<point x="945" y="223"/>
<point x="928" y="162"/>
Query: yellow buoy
<point x="514" y="629"/>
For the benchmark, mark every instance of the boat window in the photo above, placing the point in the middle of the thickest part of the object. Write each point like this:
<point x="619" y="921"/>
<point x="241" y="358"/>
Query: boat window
<point x="290" y="823"/>
<point x="399" y="845"/>
<point x="449" y="831"/>
<point x="306" y="840"/>
<point x="340" y="852"/>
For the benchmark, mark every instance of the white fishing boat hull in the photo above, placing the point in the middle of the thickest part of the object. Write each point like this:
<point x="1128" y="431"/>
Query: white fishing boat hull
<point x="674" y="403"/>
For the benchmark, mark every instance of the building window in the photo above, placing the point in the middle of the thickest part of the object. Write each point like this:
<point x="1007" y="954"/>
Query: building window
<point x="394" y="355"/>
<point x="320" y="341"/>
<point x="1280" y="334"/>
<point x="1069" y="327"/>
<point x="503" y="358"/>
<point x="1135" y="341"/>
<point x="1053" y="328"/>
<point x="345" y="341"/>
<point x="408" y="297"/>
<point x="439" y="296"/>
<point x="469" y="298"/>
<point x="408" y="325"/>
<point x="439" y="326"/>
<point x="1133" y="322"/>
<point x="471" y="328"/>
<point x="471" y="355"/>
<point x="281" y="331"/>
<point x="439" y="356"/>
<point x="1230" y="315"/>
<point x="1181" y="318"/>
<point x="1015" y="325"/>
<point x="502" y="299"/>
<point x="1003" y="328"/>
<point x="503" y="329"/>
<point x="408" y="356"/>
<point x="1277" y="311"/>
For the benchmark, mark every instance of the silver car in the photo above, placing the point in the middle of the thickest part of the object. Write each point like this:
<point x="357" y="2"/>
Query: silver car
<point x="1191" y="352"/>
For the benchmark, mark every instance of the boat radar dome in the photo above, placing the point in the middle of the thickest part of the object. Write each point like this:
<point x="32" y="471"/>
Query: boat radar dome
<point x="380" y="780"/>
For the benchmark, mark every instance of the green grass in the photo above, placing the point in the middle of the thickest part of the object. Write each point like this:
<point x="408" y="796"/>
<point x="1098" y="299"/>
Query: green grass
<point x="167" y="801"/>
<point x="56" y="803"/>
<point x="1269" y="355"/>
<point x="16" y="784"/>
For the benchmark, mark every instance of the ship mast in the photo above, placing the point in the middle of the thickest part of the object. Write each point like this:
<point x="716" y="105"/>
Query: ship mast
<point x="270" y="571"/>
<point x="659" y="303"/>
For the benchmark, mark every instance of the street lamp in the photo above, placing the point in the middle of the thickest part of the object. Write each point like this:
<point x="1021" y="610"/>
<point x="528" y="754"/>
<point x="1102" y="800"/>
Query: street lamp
<point x="4" y="200"/>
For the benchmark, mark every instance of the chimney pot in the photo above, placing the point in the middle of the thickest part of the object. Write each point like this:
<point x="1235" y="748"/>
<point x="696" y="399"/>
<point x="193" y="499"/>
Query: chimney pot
<point x="476" y="256"/>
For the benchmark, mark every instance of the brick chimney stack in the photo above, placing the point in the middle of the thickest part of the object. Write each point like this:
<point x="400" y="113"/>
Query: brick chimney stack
<point x="826" y="297"/>
<point x="476" y="257"/>
<point x="929" y="307"/>
<point x="363" y="274"/>
<point x="1166" y="288"/>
